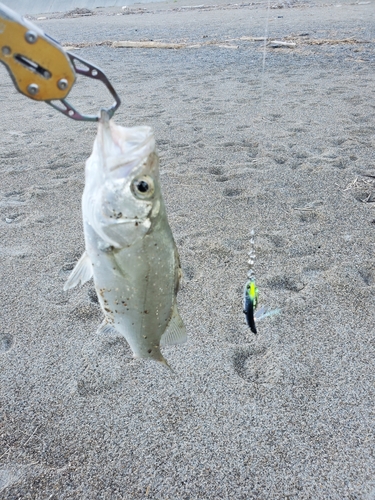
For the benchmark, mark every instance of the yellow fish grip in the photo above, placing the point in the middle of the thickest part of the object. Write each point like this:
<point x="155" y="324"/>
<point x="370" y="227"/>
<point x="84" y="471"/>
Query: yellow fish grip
<point x="38" y="65"/>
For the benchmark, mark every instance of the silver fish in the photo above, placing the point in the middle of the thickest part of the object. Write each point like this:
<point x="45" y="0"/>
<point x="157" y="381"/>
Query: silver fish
<point x="130" y="250"/>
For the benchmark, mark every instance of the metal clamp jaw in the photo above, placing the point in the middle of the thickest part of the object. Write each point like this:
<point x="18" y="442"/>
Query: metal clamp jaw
<point x="92" y="71"/>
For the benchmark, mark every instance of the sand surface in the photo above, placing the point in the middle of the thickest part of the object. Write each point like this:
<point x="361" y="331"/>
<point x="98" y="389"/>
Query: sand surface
<point x="285" y="414"/>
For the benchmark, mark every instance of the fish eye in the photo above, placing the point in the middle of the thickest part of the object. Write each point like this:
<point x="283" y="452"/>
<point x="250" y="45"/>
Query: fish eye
<point x="143" y="187"/>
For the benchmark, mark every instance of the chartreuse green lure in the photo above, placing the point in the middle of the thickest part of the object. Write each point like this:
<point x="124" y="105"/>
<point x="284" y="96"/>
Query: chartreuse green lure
<point x="250" y="303"/>
<point x="251" y="295"/>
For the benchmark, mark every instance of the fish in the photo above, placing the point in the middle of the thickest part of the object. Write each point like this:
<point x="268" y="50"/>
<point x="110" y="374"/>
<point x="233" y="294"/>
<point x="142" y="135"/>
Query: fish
<point x="130" y="251"/>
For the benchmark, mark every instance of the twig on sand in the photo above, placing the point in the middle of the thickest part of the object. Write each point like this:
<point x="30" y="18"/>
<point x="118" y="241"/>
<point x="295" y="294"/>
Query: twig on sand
<point x="368" y="199"/>
<point x="252" y="38"/>
<point x="128" y="44"/>
<point x="288" y="42"/>
<point x="367" y="185"/>
<point x="351" y="185"/>
<point x="278" y="43"/>
<point x="329" y="41"/>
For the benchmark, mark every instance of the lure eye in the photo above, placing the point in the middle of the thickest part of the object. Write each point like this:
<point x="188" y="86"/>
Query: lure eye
<point x="143" y="187"/>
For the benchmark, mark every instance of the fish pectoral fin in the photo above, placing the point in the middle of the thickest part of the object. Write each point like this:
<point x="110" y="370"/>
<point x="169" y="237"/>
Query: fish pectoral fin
<point x="175" y="332"/>
<point x="81" y="273"/>
<point x="107" y="329"/>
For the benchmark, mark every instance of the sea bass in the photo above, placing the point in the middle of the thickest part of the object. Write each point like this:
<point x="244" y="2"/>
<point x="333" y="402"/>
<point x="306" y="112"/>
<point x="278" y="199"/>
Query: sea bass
<point x="130" y="250"/>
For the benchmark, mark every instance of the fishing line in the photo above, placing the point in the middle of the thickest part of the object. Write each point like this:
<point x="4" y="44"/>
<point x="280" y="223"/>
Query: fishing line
<point x="251" y="293"/>
<point x="264" y="52"/>
<point x="50" y="5"/>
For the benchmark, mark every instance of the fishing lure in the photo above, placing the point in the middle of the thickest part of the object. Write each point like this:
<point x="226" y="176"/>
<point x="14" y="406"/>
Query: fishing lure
<point x="251" y="294"/>
<point x="250" y="303"/>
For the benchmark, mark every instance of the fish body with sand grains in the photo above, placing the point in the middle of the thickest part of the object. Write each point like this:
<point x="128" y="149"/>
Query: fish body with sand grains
<point x="130" y="250"/>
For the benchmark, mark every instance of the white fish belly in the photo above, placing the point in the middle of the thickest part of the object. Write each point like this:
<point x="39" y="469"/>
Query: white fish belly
<point x="136" y="285"/>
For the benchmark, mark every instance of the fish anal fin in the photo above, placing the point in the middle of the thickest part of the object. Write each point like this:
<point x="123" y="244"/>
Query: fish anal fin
<point x="81" y="273"/>
<point x="106" y="329"/>
<point x="175" y="332"/>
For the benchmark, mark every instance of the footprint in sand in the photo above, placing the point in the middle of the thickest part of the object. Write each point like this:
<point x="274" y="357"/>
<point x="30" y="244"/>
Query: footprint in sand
<point x="232" y="192"/>
<point x="51" y="291"/>
<point x="12" y="199"/>
<point x="252" y="148"/>
<point x="188" y="272"/>
<point x="257" y="365"/>
<point x="71" y="260"/>
<point x="104" y="364"/>
<point x="216" y="171"/>
<point x="86" y="312"/>
<point x="93" y="297"/>
<point x="6" y="342"/>
<point x="367" y="273"/>
<point x="290" y="283"/>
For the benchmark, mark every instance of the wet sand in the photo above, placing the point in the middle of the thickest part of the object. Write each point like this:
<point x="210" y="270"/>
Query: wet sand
<point x="288" y="413"/>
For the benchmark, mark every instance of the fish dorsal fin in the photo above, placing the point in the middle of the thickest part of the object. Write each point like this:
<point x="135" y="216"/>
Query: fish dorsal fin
<point x="81" y="273"/>
<point x="106" y="329"/>
<point x="175" y="332"/>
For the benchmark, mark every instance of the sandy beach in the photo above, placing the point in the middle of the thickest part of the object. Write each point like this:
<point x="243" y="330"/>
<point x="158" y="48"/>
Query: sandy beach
<point x="288" y="152"/>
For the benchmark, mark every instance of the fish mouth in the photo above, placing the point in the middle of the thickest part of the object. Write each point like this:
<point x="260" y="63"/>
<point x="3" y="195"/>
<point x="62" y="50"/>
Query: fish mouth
<point x="144" y="221"/>
<point x="137" y="221"/>
<point x="127" y="162"/>
<point x="123" y="148"/>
